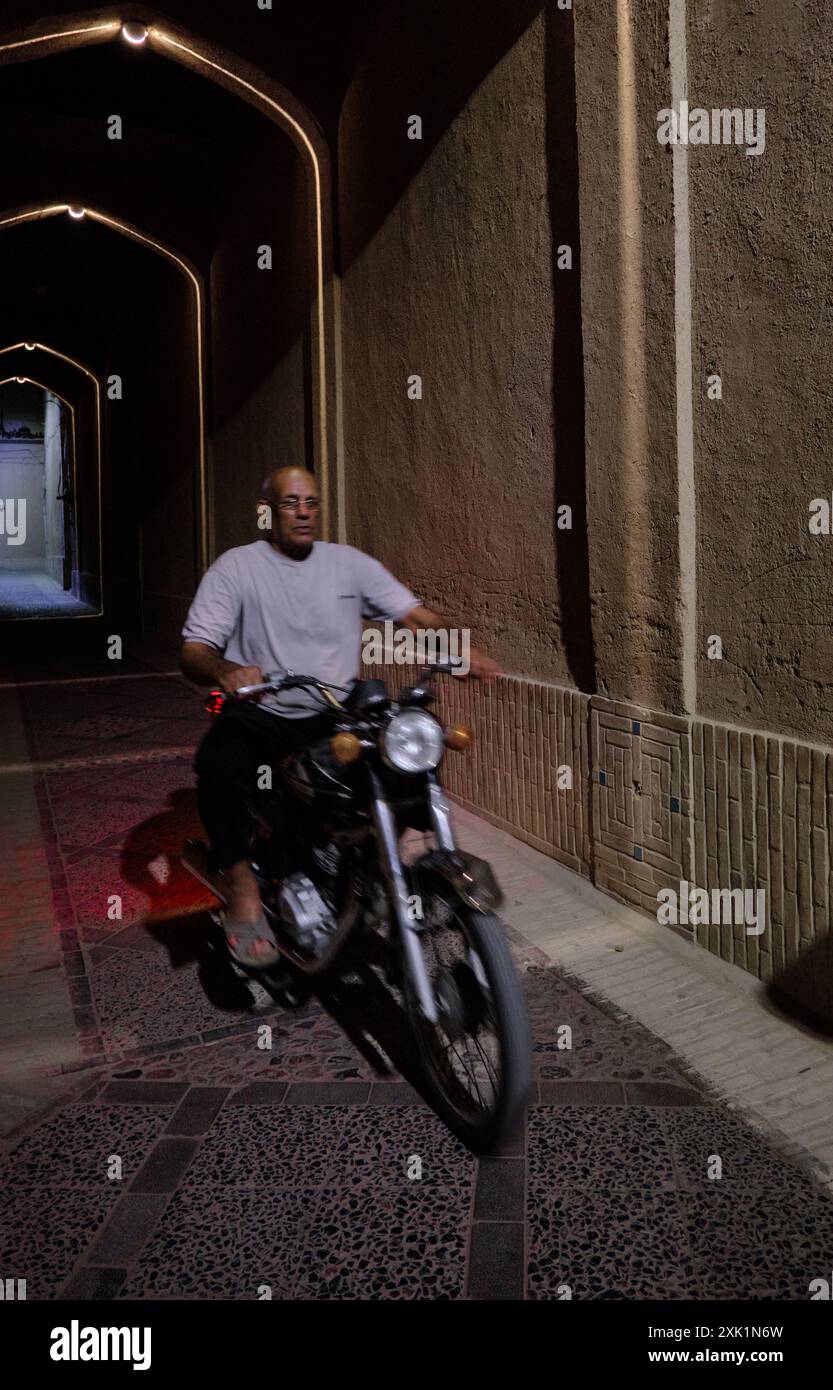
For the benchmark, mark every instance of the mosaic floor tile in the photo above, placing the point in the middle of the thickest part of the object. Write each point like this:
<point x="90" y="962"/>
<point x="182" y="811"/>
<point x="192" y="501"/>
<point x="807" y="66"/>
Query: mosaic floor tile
<point x="153" y="832"/>
<point x="74" y="1149"/>
<point x="747" y="1165"/>
<point x="599" y="1047"/>
<point x="379" y="1147"/>
<point x="43" y="1232"/>
<point x="603" y="1064"/>
<point x="615" y="1245"/>
<point x="624" y="1147"/>
<point x="63" y="747"/>
<point x="79" y="821"/>
<point x="306" y="1046"/>
<point x="369" y="1244"/>
<point x="92" y="881"/>
<point x="182" y="732"/>
<point x="236" y="1245"/>
<point x="256" y="1146"/>
<point x="66" y="786"/>
<point x="157" y="780"/>
<point x="760" y="1243"/>
<point x="141" y="998"/>
<point x="150" y="890"/>
<point x="95" y="726"/>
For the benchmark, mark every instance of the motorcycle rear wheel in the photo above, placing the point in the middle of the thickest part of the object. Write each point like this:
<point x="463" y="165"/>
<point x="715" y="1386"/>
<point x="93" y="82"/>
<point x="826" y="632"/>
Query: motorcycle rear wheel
<point x="477" y="1060"/>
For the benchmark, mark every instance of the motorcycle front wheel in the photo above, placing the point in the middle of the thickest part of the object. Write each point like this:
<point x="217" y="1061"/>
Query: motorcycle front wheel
<point x="477" y="1059"/>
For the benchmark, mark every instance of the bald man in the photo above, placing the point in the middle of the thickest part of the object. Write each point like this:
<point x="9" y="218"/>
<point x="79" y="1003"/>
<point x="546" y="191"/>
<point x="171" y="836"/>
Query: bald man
<point x="289" y="602"/>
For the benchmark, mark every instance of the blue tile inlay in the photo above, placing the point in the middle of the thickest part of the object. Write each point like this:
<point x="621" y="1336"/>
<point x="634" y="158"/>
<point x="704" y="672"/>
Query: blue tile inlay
<point x="636" y="726"/>
<point x="637" y="851"/>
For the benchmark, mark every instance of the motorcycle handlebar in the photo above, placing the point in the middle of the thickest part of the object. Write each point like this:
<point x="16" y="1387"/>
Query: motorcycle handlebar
<point x="288" y="680"/>
<point x="284" y="680"/>
<point x="244" y="691"/>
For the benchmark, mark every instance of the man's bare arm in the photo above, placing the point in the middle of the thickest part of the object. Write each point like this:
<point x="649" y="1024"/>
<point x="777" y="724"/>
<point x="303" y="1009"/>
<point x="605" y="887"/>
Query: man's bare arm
<point x="205" y="666"/>
<point x="422" y="619"/>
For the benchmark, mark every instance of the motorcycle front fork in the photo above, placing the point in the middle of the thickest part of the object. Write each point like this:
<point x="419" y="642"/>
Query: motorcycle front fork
<point x="387" y="837"/>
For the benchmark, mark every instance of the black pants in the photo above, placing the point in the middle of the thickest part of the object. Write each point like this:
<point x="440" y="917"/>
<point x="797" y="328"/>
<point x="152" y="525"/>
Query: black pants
<point x="243" y="739"/>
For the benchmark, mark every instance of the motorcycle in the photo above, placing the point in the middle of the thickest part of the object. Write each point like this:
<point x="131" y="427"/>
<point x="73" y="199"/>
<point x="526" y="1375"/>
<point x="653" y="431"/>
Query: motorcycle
<point x="326" y="854"/>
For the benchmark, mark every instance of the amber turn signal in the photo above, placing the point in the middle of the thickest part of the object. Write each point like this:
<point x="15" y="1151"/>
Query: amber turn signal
<point x="459" y="736"/>
<point x="345" y="748"/>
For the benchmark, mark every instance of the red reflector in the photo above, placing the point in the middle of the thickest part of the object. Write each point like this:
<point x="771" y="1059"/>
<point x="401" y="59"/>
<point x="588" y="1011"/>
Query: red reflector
<point x="214" y="702"/>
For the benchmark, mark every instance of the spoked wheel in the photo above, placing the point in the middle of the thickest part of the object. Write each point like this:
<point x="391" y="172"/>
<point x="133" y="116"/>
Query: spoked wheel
<point x="477" y="1057"/>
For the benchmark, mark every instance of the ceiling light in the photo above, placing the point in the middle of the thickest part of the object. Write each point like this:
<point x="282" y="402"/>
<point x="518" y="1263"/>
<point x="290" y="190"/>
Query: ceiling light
<point x="75" y="211"/>
<point x="134" y="32"/>
<point x="30" y="347"/>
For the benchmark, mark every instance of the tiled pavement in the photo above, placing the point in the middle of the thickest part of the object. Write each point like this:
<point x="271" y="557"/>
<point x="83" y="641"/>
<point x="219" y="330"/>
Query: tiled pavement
<point x="194" y="1155"/>
<point x="36" y="1022"/>
<point x="723" y="1021"/>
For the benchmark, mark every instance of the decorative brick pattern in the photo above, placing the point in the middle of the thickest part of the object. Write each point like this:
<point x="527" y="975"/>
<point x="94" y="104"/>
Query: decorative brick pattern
<point x="641" y="801"/>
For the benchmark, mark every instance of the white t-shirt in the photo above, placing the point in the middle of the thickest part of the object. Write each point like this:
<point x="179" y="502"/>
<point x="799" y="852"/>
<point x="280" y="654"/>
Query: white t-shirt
<point x="259" y="608"/>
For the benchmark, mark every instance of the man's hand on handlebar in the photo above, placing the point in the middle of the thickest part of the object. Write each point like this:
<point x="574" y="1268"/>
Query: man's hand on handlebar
<point x="232" y="681"/>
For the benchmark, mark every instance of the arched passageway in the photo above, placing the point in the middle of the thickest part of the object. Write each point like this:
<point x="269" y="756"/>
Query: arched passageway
<point x="42" y="577"/>
<point x="259" y="357"/>
<point x="157" y="34"/>
<point x="80" y="524"/>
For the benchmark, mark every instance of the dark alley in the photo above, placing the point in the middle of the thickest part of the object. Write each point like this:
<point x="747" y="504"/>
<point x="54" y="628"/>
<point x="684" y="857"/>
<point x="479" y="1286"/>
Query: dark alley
<point x="343" y="346"/>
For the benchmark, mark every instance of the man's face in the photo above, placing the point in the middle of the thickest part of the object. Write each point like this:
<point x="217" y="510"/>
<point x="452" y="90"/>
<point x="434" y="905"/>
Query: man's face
<point x="295" y="512"/>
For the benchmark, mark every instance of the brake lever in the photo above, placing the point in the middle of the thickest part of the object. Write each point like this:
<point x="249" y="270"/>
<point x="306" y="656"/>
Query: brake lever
<point x="244" y="691"/>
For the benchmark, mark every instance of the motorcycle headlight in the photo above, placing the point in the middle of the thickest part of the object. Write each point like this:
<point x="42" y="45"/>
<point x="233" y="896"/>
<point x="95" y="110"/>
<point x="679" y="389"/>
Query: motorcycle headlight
<point x="413" y="742"/>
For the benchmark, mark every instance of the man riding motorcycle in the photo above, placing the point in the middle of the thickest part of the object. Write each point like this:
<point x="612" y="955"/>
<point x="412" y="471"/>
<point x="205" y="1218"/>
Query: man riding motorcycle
<point x="290" y="602"/>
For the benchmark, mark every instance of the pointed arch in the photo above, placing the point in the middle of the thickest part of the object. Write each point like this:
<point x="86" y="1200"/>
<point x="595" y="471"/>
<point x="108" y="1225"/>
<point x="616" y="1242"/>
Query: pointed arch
<point x="228" y="70"/>
<point x="37" y="212"/>
<point x="32" y="381"/>
<point x="32" y="345"/>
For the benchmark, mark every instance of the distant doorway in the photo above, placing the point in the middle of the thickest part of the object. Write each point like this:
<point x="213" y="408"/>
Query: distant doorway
<point x="38" y="543"/>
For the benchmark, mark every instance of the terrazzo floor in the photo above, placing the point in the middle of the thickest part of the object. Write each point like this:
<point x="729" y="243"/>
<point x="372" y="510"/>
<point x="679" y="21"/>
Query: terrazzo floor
<point x="215" y="1145"/>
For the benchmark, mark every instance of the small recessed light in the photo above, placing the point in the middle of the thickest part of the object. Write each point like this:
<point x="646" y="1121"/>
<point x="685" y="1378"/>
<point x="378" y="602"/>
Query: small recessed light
<point x="134" y="32"/>
<point x="75" y="211"/>
<point x="30" y="347"/>
<point x="21" y="380"/>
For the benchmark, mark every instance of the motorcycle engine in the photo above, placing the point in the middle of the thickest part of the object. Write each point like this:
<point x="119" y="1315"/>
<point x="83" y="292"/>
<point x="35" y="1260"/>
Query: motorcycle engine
<point x="304" y="914"/>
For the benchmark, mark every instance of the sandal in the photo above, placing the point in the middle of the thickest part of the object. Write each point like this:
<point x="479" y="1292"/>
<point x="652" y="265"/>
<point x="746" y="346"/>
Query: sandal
<point x="245" y="935"/>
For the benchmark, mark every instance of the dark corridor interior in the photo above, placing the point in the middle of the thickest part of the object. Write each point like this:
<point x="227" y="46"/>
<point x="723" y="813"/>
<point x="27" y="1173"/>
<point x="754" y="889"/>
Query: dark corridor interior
<point x="38" y="562"/>
<point x="135" y="273"/>
<point x="142" y="187"/>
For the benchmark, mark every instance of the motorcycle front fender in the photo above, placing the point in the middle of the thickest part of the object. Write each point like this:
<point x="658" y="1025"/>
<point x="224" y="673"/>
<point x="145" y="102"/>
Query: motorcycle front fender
<point x="471" y="878"/>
